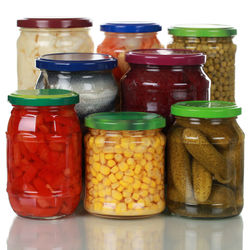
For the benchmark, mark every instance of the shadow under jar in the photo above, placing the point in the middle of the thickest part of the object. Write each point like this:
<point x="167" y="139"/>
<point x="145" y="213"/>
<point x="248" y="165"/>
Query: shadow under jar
<point x="205" y="153"/>
<point x="44" y="153"/>
<point x="159" y="78"/>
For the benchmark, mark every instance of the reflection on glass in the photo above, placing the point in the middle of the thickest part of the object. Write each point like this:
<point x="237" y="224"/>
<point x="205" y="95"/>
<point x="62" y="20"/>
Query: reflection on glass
<point x="27" y="234"/>
<point x="107" y="234"/>
<point x="188" y="234"/>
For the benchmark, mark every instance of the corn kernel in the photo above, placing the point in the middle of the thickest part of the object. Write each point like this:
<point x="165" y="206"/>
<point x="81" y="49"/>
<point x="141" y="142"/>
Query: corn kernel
<point x="153" y="184"/>
<point x="95" y="181"/>
<point x="138" y="156"/>
<point x="111" y="163"/>
<point x="119" y="175"/>
<point x="128" y="179"/>
<point x="106" y="182"/>
<point x="115" y="185"/>
<point x="141" y="203"/>
<point x="116" y="195"/>
<point x="91" y="141"/>
<point x="102" y="158"/>
<point x="96" y="157"/>
<point x="132" y="147"/>
<point x="137" y="184"/>
<point x="143" y="162"/>
<point x="118" y="149"/>
<point x="124" y="184"/>
<point x="138" y="169"/>
<point x="135" y="196"/>
<point x="109" y="156"/>
<point x="148" y="166"/>
<point x="130" y="161"/>
<point x="112" y="178"/>
<point x="129" y="172"/>
<point x="126" y="194"/>
<point x="144" y="193"/>
<point x="123" y="166"/>
<point x="144" y="186"/>
<point x="151" y="150"/>
<point x="97" y="206"/>
<point x="99" y="141"/>
<point x="108" y="191"/>
<point x="118" y="157"/>
<point x="120" y="188"/>
<point x="96" y="166"/>
<point x="114" y="169"/>
<point x="121" y="207"/>
<point x="125" y="142"/>
<point x="128" y="153"/>
<point x="102" y="193"/>
<point x="148" y="157"/>
<point x="146" y="180"/>
<point x="131" y="205"/>
<point x="105" y="170"/>
<point x="99" y="177"/>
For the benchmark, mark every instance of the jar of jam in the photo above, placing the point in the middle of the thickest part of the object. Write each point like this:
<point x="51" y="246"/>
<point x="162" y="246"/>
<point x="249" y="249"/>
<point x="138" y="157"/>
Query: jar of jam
<point x="159" y="78"/>
<point x="124" y="155"/>
<point x="44" y="153"/>
<point x="216" y="41"/>
<point x="205" y="160"/>
<point x="40" y="36"/>
<point x="123" y="37"/>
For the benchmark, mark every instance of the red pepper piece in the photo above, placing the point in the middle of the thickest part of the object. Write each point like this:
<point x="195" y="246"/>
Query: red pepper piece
<point x="29" y="175"/>
<point x="43" y="152"/>
<point x="54" y="157"/>
<point x="16" y="154"/>
<point x="46" y="174"/>
<point x="40" y="185"/>
<point x="57" y="146"/>
<point x="24" y="152"/>
<point x="45" y="212"/>
<point x="58" y="181"/>
<point x="69" y="205"/>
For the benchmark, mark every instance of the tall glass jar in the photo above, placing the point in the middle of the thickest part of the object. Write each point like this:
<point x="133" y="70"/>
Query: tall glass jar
<point x="44" y="153"/>
<point x="124" y="155"/>
<point x="205" y="160"/>
<point x="40" y="36"/>
<point x="88" y="74"/>
<point x="216" y="41"/>
<point x="159" y="78"/>
<point x="123" y="37"/>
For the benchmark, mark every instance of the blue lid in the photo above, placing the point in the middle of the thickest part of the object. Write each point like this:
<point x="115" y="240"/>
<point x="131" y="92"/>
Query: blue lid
<point x="130" y="27"/>
<point x="71" y="62"/>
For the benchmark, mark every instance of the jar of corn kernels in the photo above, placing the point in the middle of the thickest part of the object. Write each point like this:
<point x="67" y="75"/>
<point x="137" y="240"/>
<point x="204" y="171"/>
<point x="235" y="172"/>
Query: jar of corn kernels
<point x="124" y="155"/>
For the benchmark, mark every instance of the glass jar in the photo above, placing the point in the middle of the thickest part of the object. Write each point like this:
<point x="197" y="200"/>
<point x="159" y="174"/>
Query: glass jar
<point x="159" y="78"/>
<point x="40" y="36"/>
<point x="205" y="160"/>
<point x="123" y="37"/>
<point x="216" y="41"/>
<point x="44" y="153"/>
<point x="88" y="74"/>
<point x="124" y="155"/>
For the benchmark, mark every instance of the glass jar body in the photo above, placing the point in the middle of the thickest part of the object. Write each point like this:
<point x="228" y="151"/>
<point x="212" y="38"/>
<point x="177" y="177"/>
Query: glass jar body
<point x="98" y="90"/>
<point x="150" y="88"/>
<point x="205" y="168"/>
<point x="35" y="42"/>
<point x="44" y="161"/>
<point x="220" y="64"/>
<point x="117" y="44"/>
<point x="124" y="173"/>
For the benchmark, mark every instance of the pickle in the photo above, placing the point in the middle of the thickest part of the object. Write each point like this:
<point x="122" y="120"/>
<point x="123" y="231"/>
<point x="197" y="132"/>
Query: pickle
<point x="206" y="154"/>
<point x="202" y="182"/>
<point x="179" y="164"/>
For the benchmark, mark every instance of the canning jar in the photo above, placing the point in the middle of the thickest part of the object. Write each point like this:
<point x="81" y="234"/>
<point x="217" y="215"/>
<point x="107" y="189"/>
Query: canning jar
<point x="88" y="74"/>
<point x="40" y="36"/>
<point x="159" y="78"/>
<point x="44" y="153"/>
<point x="205" y="160"/>
<point x="123" y="37"/>
<point x="216" y="41"/>
<point x="124" y="156"/>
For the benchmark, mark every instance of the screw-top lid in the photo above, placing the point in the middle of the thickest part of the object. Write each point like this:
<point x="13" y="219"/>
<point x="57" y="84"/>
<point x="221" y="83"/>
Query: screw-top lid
<point x="130" y="27"/>
<point x="168" y="57"/>
<point x="202" y="30"/>
<point x="71" y="62"/>
<point x="206" y="109"/>
<point x="43" y="97"/>
<point x="125" y="121"/>
<point x="56" y="23"/>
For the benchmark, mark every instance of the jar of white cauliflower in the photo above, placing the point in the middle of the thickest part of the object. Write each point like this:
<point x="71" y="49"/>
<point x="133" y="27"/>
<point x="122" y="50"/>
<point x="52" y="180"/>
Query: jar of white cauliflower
<point x="41" y="36"/>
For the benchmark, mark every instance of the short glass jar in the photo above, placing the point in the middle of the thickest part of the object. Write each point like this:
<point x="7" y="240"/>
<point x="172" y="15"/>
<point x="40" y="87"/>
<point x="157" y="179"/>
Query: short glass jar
<point x="44" y="153"/>
<point x="124" y="155"/>
<point x="216" y="41"/>
<point x="40" y="36"/>
<point x="123" y="37"/>
<point x="88" y="74"/>
<point x="205" y="160"/>
<point x="159" y="78"/>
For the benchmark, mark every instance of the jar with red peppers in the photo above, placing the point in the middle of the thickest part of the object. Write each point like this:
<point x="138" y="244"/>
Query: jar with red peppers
<point x="159" y="78"/>
<point x="44" y="153"/>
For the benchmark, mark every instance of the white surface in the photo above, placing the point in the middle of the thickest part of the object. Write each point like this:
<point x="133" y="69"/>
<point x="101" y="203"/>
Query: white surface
<point x="83" y="231"/>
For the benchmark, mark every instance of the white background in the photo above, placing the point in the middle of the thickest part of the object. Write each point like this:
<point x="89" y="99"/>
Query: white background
<point x="164" y="12"/>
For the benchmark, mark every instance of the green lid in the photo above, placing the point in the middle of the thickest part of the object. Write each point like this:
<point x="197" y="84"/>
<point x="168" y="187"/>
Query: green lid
<point x="206" y="109"/>
<point x="205" y="30"/>
<point x="43" y="97"/>
<point x="125" y="121"/>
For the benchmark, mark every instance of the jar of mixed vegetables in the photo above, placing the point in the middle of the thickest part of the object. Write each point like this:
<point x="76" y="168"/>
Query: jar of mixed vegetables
<point x="40" y="36"/>
<point x="205" y="160"/>
<point x="124" y="164"/>
<point x="216" y="41"/>
<point x="123" y="37"/>
<point x="44" y="153"/>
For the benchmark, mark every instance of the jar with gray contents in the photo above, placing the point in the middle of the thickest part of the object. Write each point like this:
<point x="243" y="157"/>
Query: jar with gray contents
<point x="88" y="74"/>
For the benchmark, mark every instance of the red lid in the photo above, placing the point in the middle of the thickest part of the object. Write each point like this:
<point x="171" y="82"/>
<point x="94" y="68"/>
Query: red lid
<point x="166" y="57"/>
<point x="54" y="23"/>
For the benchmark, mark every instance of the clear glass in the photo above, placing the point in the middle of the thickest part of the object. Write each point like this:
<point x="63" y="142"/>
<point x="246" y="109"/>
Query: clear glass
<point x="33" y="43"/>
<point x="220" y="65"/>
<point x="98" y="90"/>
<point x="124" y="175"/>
<point x="44" y="161"/>
<point x="117" y="44"/>
<point x="205" y="168"/>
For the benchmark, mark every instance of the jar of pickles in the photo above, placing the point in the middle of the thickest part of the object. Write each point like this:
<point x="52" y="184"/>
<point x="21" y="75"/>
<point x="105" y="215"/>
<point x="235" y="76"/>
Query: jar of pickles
<point x="88" y="74"/>
<point x="124" y="164"/>
<point x="159" y="78"/>
<point x="216" y="41"/>
<point x="126" y="36"/>
<point x="205" y="160"/>
<point x="40" y="36"/>
<point x="44" y="153"/>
